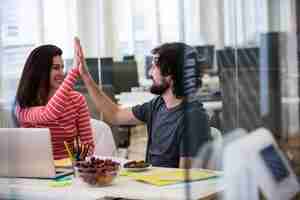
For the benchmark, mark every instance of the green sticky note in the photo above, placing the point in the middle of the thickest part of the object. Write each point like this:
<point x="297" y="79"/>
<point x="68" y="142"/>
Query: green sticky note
<point x="61" y="183"/>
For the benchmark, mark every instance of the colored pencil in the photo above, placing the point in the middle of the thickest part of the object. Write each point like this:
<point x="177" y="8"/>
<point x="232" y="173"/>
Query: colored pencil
<point x="68" y="150"/>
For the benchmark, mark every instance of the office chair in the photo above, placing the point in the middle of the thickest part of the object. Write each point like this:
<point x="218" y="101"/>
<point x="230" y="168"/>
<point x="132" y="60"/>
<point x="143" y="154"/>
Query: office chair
<point x="210" y="156"/>
<point x="254" y="164"/>
<point x="104" y="141"/>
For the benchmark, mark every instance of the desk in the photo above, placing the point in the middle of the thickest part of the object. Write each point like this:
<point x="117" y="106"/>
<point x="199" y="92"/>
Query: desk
<point x="123" y="187"/>
<point x="130" y="99"/>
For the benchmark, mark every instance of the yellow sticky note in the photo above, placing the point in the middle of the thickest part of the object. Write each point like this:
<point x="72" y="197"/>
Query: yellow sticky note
<point x="63" y="163"/>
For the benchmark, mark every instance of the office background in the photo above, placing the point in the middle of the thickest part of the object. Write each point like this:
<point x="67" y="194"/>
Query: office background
<point x="251" y="49"/>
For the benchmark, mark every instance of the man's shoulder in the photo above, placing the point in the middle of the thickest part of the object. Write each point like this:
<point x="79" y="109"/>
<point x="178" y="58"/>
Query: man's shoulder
<point x="196" y="107"/>
<point x="156" y="102"/>
<point x="150" y="106"/>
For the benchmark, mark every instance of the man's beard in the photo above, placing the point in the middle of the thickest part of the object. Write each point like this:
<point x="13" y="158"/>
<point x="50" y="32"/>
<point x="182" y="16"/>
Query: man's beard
<point x="159" y="89"/>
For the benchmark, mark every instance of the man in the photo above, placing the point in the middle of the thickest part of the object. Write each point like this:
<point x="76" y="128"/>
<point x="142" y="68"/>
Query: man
<point x="164" y="115"/>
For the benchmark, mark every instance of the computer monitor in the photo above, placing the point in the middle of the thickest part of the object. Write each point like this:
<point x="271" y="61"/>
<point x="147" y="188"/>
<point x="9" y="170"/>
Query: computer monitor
<point x="206" y="53"/>
<point x="93" y="67"/>
<point x="125" y="76"/>
<point x="128" y="58"/>
<point x="106" y="70"/>
<point x="148" y="64"/>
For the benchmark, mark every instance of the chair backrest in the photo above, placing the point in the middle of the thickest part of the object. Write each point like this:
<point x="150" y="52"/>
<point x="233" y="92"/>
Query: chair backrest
<point x="103" y="137"/>
<point x="209" y="154"/>
<point x="6" y="118"/>
<point x="255" y="162"/>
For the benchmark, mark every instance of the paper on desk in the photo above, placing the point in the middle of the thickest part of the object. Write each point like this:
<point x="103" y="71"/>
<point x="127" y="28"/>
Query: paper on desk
<point x="163" y="177"/>
<point x="63" y="163"/>
<point x="63" y="183"/>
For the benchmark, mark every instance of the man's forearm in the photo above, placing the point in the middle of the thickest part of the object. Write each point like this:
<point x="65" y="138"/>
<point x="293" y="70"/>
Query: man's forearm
<point x="101" y="100"/>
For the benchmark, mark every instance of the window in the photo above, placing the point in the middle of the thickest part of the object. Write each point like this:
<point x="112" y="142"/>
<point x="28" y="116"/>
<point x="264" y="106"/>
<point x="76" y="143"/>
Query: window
<point x="144" y="26"/>
<point x="59" y="24"/>
<point x="19" y="34"/>
<point x="244" y="21"/>
<point x="169" y="20"/>
<point x="123" y="26"/>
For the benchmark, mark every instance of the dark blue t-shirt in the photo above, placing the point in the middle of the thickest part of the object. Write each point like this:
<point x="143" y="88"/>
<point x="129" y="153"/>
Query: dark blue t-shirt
<point x="166" y="134"/>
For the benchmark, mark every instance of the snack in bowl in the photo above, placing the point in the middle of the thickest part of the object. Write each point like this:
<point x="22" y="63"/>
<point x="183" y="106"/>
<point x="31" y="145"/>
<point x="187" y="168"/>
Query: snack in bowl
<point x="96" y="171"/>
<point x="137" y="165"/>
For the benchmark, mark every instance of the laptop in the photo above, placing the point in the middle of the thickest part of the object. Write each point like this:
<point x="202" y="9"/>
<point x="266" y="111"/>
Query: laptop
<point x="27" y="153"/>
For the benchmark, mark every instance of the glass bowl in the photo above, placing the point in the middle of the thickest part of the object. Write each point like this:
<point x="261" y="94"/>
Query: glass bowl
<point x="100" y="174"/>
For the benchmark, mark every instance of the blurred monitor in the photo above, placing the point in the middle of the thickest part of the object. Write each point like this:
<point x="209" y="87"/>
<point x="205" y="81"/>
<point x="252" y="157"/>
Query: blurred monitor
<point x="206" y="53"/>
<point x="125" y="76"/>
<point x="148" y="64"/>
<point x="128" y="58"/>
<point x="106" y="70"/>
<point x="248" y="57"/>
<point x="225" y="58"/>
<point x="93" y="67"/>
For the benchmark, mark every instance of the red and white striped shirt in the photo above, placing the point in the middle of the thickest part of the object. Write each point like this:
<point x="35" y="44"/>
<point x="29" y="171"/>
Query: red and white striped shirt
<point x="66" y="115"/>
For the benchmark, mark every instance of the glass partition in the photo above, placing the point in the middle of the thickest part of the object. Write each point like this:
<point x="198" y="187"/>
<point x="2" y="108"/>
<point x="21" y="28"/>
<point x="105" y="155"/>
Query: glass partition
<point x="250" y="78"/>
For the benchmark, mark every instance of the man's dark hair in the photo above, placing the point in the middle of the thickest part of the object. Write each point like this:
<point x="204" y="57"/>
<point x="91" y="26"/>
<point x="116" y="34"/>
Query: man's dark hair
<point x="171" y="62"/>
<point x="34" y="85"/>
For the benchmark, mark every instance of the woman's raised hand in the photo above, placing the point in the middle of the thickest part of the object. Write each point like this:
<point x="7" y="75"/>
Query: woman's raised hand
<point x="79" y="59"/>
<point x="76" y="53"/>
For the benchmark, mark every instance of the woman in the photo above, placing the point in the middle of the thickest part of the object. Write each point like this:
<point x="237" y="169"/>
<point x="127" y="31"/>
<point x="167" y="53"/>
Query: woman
<point x="45" y="99"/>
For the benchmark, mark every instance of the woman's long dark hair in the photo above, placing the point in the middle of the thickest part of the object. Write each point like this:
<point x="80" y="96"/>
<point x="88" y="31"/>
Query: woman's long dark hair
<point x="34" y="85"/>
